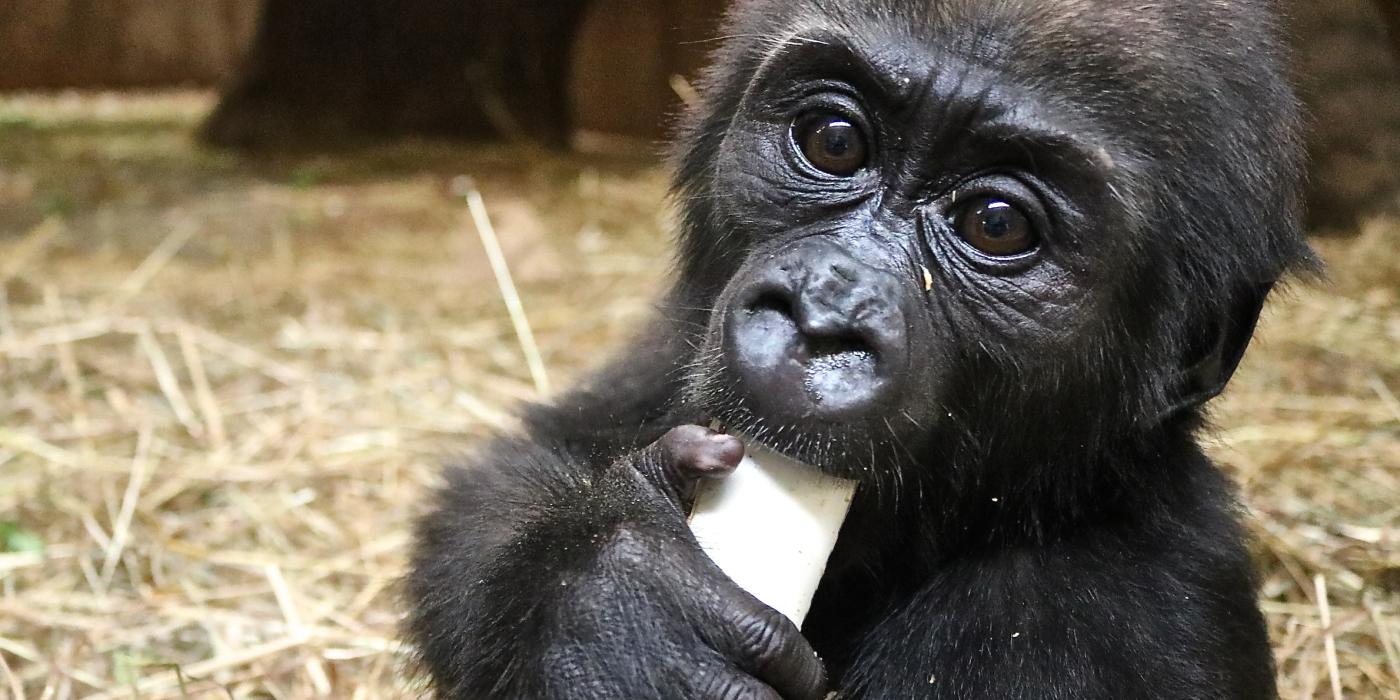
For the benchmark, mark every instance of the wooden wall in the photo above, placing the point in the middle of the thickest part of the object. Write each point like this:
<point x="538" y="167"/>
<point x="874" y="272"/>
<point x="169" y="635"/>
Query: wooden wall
<point x="625" y="58"/>
<point x="121" y="43"/>
<point x="627" y="54"/>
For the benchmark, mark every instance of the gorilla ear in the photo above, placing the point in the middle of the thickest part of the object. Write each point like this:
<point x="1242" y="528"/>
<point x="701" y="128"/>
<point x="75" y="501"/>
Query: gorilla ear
<point x="1221" y="346"/>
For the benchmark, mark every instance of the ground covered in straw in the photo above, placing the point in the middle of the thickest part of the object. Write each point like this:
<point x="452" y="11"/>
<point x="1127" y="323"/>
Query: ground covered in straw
<point x="225" y="383"/>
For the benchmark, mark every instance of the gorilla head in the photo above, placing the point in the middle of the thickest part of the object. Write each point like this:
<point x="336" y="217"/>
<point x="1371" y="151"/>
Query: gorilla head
<point x="983" y="228"/>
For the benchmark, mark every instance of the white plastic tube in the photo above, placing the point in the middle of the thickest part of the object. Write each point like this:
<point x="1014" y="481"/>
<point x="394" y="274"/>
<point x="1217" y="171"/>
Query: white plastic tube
<point x="771" y="525"/>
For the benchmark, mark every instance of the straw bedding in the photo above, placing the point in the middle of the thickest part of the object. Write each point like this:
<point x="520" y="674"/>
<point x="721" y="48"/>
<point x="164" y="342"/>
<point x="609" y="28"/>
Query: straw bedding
<point x="225" y="383"/>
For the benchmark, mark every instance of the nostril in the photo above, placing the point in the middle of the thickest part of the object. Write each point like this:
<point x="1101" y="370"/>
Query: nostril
<point x="772" y="301"/>
<point x="818" y="340"/>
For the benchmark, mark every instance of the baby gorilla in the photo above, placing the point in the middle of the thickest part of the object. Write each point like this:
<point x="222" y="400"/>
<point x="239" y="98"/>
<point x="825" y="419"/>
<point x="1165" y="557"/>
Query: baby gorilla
<point x="991" y="259"/>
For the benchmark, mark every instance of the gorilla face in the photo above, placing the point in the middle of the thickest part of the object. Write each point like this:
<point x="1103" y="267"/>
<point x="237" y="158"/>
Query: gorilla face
<point x="916" y="226"/>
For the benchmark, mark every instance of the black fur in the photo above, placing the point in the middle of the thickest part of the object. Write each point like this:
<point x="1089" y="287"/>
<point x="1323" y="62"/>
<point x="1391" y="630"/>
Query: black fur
<point x="1036" y="519"/>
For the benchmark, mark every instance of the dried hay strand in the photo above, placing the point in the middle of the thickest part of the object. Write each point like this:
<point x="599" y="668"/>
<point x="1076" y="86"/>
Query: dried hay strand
<point x="227" y="385"/>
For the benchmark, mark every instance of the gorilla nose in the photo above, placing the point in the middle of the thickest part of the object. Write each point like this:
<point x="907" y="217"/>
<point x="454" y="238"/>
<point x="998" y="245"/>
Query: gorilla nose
<point x="817" y="334"/>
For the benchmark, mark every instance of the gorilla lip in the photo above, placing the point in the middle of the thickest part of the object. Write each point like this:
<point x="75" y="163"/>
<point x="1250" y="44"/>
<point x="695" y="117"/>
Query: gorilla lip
<point x="771" y="526"/>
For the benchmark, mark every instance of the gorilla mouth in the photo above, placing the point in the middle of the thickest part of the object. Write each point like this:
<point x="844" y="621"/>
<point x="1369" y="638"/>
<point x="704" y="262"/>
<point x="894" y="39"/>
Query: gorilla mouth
<point x="838" y="369"/>
<point x="833" y="367"/>
<point x="790" y="374"/>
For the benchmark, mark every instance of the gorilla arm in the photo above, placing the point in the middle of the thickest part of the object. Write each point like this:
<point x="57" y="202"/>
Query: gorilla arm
<point x="559" y="563"/>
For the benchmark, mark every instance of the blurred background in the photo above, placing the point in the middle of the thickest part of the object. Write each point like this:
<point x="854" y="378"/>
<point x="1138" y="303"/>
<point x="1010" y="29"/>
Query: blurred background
<point x="245" y="313"/>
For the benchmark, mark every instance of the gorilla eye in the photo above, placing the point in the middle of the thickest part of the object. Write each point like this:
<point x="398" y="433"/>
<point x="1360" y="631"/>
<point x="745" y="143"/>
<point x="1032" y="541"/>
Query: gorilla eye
<point x="995" y="227"/>
<point x="831" y="143"/>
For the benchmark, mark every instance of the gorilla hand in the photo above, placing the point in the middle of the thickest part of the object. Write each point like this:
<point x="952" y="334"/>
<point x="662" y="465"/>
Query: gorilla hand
<point x="652" y="616"/>
<point x="539" y="577"/>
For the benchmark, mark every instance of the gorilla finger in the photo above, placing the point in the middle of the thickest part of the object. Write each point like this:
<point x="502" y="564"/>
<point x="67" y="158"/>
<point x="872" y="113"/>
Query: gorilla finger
<point x="724" y="683"/>
<point x="766" y="644"/>
<point x="695" y="452"/>
<point x="686" y="454"/>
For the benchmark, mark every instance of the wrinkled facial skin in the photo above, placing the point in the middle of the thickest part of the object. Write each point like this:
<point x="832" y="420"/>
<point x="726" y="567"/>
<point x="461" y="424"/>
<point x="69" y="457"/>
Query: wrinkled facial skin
<point x="856" y="322"/>
<point x="882" y="243"/>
